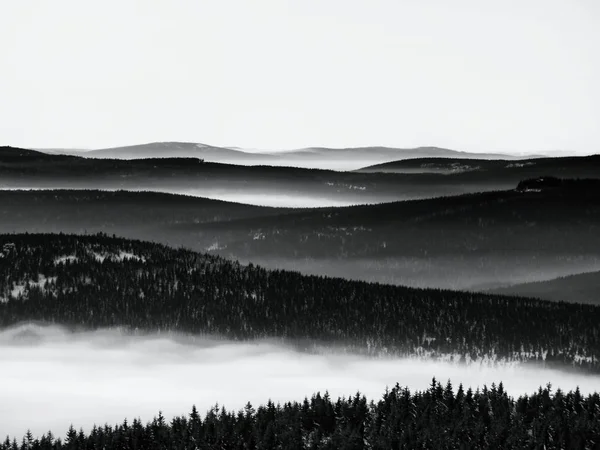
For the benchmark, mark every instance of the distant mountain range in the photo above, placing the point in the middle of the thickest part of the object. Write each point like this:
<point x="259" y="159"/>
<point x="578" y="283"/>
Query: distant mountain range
<point x="25" y="169"/>
<point x="314" y="157"/>
<point x="480" y="241"/>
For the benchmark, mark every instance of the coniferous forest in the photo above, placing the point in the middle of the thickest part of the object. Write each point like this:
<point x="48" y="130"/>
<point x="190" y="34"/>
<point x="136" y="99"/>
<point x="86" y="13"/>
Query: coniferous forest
<point x="300" y="224"/>
<point x="441" y="417"/>
<point x="98" y="281"/>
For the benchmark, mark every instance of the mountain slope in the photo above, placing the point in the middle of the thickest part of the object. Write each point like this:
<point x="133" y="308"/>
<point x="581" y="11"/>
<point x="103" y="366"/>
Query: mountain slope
<point x="16" y="155"/>
<point x="97" y="281"/>
<point x="175" y="150"/>
<point x="496" y="168"/>
<point x="582" y="288"/>
<point x="267" y="185"/>
<point x="466" y="242"/>
<point x="314" y="157"/>
<point x="475" y="241"/>
<point x="83" y="209"/>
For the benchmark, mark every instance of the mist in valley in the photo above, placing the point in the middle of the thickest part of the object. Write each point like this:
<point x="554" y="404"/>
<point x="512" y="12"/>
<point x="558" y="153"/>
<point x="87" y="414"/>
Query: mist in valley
<point x="104" y="376"/>
<point x="481" y="273"/>
<point x="270" y="198"/>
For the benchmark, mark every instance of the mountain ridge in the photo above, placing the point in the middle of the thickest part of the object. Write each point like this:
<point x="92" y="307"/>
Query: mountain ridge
<point x="97" y="281"/>
<point x="309" y="157"/>
<point x="474" y="241"/>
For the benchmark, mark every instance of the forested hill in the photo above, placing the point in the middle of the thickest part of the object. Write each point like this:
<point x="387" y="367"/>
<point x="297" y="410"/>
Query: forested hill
<point x="585" y="287"/>
<point x="24" y="169"/>
<point x="469" y="242"/>
<point x="493" y="168"/>
<point x="99" y="281"/>
<point x="115" y="211"/>
<point x="441" y="417"/>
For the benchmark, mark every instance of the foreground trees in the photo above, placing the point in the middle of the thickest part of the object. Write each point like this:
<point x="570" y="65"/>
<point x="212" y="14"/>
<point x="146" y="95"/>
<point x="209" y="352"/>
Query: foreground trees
<point x="440" y="417"/>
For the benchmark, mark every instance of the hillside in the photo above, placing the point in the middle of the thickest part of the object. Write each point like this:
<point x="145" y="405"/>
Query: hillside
<point x="97" y="281"/>
<point x="465" y="242"/>
<point x="475" y="241"/>
<point x="114" y="211"/>
<point x="582" y="288"/>
<point x="177" y="150"/>
<point x="314" y="157"/>
<point x="262" y="183"/>
<point x="16" y="155"/>
<point x="496" y="168"/>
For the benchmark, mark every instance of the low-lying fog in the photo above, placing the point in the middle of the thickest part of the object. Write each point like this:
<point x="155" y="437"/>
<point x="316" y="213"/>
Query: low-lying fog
<point x="271" y="199"/>
<point x="51" y="378"/>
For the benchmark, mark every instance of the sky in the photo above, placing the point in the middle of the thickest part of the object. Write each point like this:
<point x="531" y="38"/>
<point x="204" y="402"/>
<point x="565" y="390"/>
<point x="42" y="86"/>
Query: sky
<point x="499" y="75"/>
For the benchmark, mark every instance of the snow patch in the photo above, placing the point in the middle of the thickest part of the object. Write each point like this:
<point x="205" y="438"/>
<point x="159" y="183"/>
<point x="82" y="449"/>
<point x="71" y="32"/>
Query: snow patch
<point x="64" y="259"/>
<point x="21" y="288"/>
<point x="122" y="256"/>
<point x="215" y="246"/>
<point x="511" y="165"/>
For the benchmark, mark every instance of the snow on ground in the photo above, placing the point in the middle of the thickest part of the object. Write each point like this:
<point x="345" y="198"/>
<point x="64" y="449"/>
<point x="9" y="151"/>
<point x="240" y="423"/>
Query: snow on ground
<point x="64" y="259"/>
<point x="215" y="246"/>
<point x="511" y="165"/>
<point x="21" y="288"/>
<point x="122" y="256"/>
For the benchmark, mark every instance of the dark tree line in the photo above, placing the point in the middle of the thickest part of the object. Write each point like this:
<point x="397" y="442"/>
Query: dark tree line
<point x="543" y="218"/>
<point x="440" y="417"/>
<point x="477" y="241"/>
<point x="178" y="290"/>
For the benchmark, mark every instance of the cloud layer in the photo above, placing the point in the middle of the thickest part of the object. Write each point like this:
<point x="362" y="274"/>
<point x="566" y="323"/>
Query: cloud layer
<point x="51" y="378"/>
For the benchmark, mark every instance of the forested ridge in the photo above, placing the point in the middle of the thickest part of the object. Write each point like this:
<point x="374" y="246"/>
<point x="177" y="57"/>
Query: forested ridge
<point x="99" y="281"/>
<point x="583" y="286"/>
<point x="471" y="242"/>
<point x="20" y="168"/>
<point x="441" y="417"/>
<point x="493" y="168"/>
<point x="552" y="215"/>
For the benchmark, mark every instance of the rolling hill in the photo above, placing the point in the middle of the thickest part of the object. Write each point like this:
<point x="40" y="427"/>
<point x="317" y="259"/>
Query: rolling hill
<point x="313" y="157"/>
<point x="497" y="168"/>
<point x="97" y="281"/>
<point x="474" y="241"/>
<point x="582" y="288"/>
<point x="268" y="185"/>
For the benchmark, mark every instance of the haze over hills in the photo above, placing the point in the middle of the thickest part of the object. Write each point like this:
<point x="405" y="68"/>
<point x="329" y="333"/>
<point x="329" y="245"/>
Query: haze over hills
<point x="537" y="229"/>
<point x="272" y="212"/>
<point x="91" y="282"/>
<point x="582" y="287"/>
<point x="494" y="167"/>
<point x="272" y="186"/>
<point x="208" y="330"/>
<point x="475" y="241"/>
<point x="313" y="157"/>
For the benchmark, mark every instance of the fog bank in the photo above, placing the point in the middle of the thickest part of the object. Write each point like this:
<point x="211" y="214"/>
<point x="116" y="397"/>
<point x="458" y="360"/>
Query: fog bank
<point x="267" y="198"/>
<point x="51" y="377"/>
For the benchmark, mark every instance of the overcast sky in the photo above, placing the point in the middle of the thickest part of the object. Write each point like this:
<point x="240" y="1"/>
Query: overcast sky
<point x="494" y="75"/>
